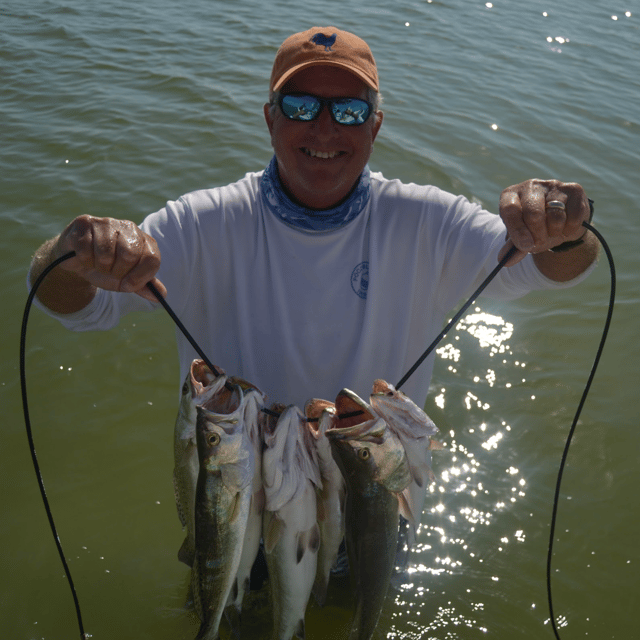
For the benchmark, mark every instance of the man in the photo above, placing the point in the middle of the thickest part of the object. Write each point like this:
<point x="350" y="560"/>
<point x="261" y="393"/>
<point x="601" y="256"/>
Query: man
<point x="316" y="274"/>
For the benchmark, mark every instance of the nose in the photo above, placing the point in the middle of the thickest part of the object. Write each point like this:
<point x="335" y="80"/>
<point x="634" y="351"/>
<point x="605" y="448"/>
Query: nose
<point x="324" y="123"/>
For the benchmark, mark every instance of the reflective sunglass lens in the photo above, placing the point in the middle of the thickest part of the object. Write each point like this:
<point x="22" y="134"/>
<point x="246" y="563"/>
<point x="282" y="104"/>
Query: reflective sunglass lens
<point x="300" y="107"/>
<point x="350" y="111"/>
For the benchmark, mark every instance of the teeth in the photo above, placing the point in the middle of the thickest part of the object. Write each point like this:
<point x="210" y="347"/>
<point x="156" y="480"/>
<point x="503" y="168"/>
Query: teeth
<point x="321" y="154"/>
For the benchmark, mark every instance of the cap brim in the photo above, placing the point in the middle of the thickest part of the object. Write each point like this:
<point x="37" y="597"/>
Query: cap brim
<point x="323" y="63"/>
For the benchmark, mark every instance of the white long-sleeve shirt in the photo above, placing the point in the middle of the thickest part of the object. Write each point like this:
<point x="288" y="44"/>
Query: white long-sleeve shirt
<point x="303" y="313"/>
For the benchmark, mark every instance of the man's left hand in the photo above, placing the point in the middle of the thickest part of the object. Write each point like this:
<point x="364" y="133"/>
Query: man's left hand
<point x="532" y="225"/>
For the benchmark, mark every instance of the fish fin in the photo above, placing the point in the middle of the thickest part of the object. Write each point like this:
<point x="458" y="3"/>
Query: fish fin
<point x="236" y="510"/>
<point x="301" y="546"/>
<point x="186" y="552"/>
<point x="314" y="538"/>
<point x="404" y="508"/>
<point x="434" y="445"/>
<point x="399" y="479"/>
<point x="236" y="476"/>
<point x="272" y="531"/>
<point x="232" y="610"/>
<point x="232" y="616"/>
<point x="233" y="594"/>
<point x="418" y="475"/>
<point x="319" y="590"/>
<point x="189" y="449"/>
<point x="307" y="540"/>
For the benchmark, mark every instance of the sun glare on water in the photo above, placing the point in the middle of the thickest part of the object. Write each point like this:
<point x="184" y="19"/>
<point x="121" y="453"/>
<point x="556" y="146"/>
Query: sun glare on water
<point x="473" y="493"/>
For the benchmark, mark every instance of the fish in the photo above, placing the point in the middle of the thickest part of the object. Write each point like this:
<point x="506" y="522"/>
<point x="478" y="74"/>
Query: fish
<point x="291" y="535"/>
<point x="254" y="401"/>
<point x="414" y="428"/>
<point x="376" y="472"/>
<point x="222" y="503"/>
<point x="200" y="385"/>
<point x="321" y="415"/>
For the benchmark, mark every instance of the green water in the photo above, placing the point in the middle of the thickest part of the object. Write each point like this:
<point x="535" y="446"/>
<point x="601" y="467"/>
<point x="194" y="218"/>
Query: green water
<point x="112" y="108"/>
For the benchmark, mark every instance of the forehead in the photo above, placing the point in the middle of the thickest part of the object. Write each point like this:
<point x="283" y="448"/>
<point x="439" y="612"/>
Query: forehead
<point x="327" y="82"/>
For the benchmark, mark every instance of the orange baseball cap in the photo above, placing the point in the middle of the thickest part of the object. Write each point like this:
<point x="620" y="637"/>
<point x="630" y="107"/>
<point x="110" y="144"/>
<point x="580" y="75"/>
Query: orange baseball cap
<point x="324" y="46"/>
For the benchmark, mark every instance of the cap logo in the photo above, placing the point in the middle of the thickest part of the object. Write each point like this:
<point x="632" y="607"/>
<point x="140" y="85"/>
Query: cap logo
<point x="326" y="41"/>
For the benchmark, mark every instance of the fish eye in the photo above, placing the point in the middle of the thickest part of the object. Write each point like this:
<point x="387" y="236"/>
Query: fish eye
<point x="390" y="393"/>
<point x="213" y="439"/>
<point x="364" y="454"/>
<point x="185" y="388"/>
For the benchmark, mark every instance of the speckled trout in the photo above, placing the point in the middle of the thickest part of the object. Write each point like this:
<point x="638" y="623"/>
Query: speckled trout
<point x="376" y="471"/>
<point x="223" y="498"/>
<point x="291" y="535"/>
<point x="331" y="495"/>
<point x="200" y="385"/>
<point x="253" y="418"/>
<point x="414" y="428"/>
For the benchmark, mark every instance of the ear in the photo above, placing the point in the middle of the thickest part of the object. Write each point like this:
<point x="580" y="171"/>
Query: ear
<point x="268" y="118"/>
<point x="379" y="116"/>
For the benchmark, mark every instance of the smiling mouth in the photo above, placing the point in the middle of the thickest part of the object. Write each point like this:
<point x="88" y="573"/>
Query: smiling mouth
<point x="326" y="155"/>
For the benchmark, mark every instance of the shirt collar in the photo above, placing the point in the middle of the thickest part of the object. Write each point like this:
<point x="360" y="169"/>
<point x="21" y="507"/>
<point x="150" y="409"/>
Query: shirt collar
<point x="279" y="203"/>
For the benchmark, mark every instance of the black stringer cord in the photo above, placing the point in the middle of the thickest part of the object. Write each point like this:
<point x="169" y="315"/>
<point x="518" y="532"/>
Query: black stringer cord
<point x="182" y="328"/>
<point x="25" y="408"/>
<point x="216" y="371"/>
<point x="458" y="315"/>
<point x="565" y="453"/>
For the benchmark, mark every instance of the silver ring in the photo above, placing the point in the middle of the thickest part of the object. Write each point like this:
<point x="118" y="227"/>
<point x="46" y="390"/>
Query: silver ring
<point x="554" y="204"/>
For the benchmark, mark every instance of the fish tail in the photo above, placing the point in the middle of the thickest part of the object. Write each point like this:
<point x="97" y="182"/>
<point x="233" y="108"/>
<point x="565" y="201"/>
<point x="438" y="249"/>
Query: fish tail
<point x="232" y="614"/>
<point x="208" y="631"/>
<point x="319" y="589"/>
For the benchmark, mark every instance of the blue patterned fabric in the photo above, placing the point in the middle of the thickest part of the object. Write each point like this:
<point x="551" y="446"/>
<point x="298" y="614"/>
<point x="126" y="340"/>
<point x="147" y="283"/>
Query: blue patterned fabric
<point x="279" y="203"/>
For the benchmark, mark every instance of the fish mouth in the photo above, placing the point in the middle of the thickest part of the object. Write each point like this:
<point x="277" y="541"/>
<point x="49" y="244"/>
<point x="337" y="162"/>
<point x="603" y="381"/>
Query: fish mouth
<point x="352" y="409"/>
<point x="313" y="410"/>
<point x="383" y="388"/>
<point x="274" y="412"/>
<point x="356" y="420"/>
<point x="372" y="431"/>
<point x="225" y="400"/>
<point x="201" y="374"/>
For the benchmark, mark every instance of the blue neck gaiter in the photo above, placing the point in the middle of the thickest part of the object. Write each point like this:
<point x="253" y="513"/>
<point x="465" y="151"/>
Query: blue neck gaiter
<point x="279" y="203"/>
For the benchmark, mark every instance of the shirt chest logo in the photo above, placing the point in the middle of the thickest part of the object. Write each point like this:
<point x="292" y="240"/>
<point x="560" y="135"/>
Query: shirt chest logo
<point x="360" y="279"/>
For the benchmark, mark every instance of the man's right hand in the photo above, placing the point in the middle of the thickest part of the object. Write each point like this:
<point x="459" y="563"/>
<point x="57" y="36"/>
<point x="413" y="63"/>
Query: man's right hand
<point x="110" y="254"/>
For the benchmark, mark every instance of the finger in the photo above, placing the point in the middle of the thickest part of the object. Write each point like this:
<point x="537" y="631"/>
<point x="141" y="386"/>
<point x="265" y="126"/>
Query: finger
<point x="130" y="251"/>
<point x="146" y="266"/>
<point x="146" y="293"/>
<point x="522" y="211"/>
<point x="556" y="214"/>
<point x="534" y="215"/>
<point x="511" y="214"/>
<point x="576" y="205"/>
<point x="515" y="258"/>
<point x="105" y="246"/>
<point x="578" y="211"/>
<point x="77" y="237"/>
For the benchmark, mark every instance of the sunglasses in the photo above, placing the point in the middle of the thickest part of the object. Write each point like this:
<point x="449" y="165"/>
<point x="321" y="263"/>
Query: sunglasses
<point x="305" y="108"/>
